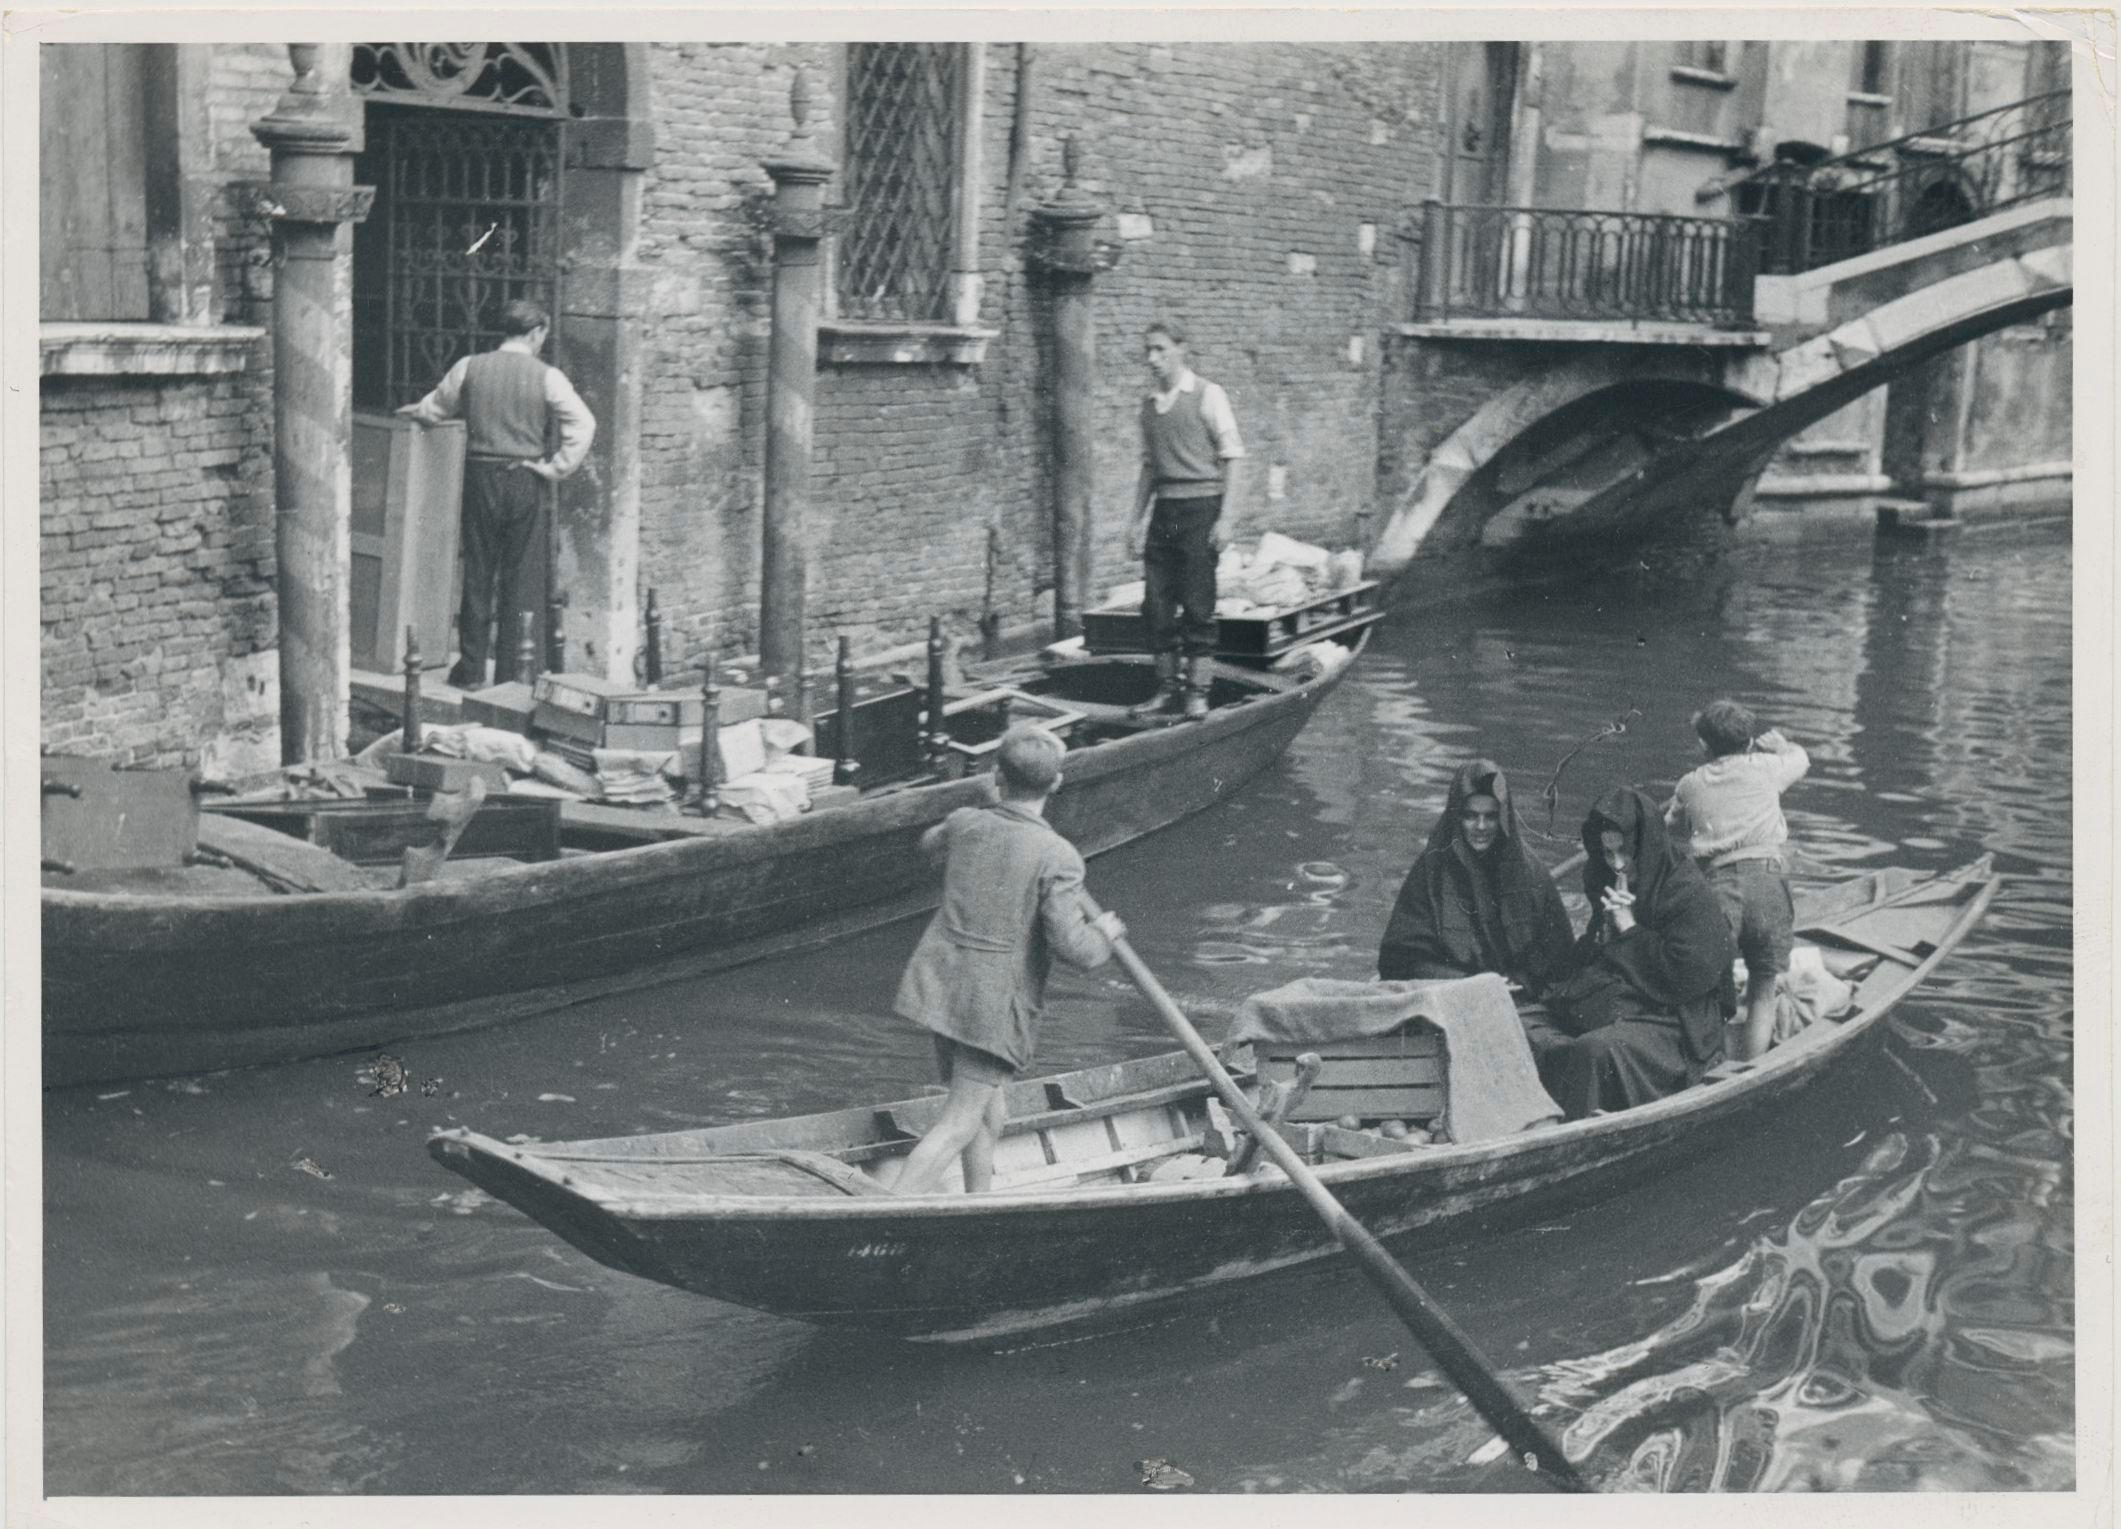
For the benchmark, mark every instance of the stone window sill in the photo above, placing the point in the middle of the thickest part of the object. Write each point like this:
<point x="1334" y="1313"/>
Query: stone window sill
<point x="1679" y="138"/>
<point x="845" y="342"/>
<point x="1714" y="79"/>
<point x="144" y="350"/>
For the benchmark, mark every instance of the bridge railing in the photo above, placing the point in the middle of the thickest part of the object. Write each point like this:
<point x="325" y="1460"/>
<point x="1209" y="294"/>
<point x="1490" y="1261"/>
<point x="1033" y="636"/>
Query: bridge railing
<point x="1552" y="263"/>
<point x="1887" y="193"/>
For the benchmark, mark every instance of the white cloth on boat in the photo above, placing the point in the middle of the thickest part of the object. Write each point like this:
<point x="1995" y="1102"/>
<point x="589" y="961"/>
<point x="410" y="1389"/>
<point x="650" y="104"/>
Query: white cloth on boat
<point x="1491" y="1084"/>
<point x="636" y="777"/>
<point x="766" y="796"/>
<point x="1808" y="994"/>
<point x="552" y="769"/>
<point x="1277" y="548"/>
<point x="488" y="745"/>
<point x="782" y="736"/>
<point x="1314" y="660"/>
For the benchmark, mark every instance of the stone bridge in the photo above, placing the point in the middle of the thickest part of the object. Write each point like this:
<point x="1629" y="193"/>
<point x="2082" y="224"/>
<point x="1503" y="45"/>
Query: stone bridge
<point x="1615" y="429"/>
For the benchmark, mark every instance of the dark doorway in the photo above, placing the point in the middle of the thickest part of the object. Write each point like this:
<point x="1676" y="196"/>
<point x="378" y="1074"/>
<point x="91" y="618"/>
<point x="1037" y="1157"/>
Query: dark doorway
<point x="466" y="219"/>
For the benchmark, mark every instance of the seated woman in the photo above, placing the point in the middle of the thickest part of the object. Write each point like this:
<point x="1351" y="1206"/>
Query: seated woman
<point x="1477" y="899"/>
<point x="1639" y="1013"/>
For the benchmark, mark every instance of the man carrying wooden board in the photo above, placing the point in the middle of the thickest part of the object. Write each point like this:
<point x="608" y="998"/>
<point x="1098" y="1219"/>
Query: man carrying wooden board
<point x="506" y="397"/>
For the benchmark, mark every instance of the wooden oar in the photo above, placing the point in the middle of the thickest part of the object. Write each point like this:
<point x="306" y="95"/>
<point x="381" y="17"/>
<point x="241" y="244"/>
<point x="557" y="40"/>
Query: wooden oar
<point x="1431" y="1326"/>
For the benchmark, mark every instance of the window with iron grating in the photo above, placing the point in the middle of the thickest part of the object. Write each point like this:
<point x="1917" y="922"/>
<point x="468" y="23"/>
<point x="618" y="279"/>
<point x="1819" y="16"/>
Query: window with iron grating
<point x="903" y="160"/>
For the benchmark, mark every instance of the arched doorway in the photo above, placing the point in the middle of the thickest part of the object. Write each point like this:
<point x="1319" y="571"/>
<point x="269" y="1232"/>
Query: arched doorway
<point x="507" y="170"/>
<point x="463" y="147"/>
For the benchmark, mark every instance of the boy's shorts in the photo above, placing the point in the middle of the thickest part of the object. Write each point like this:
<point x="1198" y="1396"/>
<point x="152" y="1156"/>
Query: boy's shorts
<point x="982" y="1067"/>
<point x="1756" y="899"/>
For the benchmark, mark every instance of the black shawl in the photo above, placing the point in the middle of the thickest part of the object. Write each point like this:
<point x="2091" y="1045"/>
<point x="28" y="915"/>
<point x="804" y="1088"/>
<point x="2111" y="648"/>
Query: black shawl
<point x="1676" y="961"/>
<point x="1460" y="913"/>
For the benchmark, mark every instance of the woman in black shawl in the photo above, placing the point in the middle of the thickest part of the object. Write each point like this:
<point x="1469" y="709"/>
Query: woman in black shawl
<point x="1639" y="1014"/>
<point x="1477" y="900"/>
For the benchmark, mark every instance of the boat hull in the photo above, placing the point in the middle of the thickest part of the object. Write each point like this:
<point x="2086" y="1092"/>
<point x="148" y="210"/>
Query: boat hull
<point x="139" y="986"/>
<point x="1042" y="1262"/>
<point x="958" y="1268"/>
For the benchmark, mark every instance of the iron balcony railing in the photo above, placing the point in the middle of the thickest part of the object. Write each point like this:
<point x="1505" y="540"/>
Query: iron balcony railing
<point x="1549" y="263"/>
<point x="1887" y="193"/>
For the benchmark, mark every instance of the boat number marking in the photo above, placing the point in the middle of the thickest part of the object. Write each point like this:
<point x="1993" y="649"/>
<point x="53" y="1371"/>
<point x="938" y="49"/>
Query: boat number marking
<point x="878" y="1250"/>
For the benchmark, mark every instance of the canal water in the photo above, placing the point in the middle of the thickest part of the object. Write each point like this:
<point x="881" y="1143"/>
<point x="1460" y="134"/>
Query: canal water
<point x="258" y="1282"/>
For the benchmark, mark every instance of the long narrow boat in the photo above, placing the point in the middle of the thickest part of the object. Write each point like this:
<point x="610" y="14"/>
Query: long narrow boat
<point x="146" y="983"/>
<point x="787" y="1216"/>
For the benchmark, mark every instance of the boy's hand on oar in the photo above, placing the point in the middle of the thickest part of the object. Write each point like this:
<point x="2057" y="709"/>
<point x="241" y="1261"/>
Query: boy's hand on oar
<point x="1108" y="925"/>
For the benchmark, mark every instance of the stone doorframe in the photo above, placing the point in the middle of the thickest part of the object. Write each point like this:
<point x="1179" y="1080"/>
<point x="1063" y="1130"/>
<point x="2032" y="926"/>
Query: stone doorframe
<point x="604" y="301"/>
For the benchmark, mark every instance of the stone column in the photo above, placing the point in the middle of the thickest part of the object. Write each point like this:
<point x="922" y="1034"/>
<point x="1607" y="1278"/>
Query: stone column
<point x="313" y="134"/>
<point x="799" y="178"/>
<point x="1065" y="253"/>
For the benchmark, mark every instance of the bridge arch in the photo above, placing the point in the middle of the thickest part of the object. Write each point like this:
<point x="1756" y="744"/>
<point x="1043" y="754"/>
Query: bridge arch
<point x="1545" y="425"/>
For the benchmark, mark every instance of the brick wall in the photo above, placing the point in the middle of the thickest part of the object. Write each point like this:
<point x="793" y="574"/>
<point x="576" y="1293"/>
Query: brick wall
<point x="156" y="564"/>
<point x="1261" y="187"/>
<point x="157" y="606"/>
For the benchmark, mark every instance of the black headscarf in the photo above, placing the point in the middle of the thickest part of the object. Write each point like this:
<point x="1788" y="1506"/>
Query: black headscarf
<point x="1680" y="952"/>
<point x="1462" y="911"/>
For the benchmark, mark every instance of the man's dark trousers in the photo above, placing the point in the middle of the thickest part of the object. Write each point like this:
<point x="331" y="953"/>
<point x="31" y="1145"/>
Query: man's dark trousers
<point x="503" y="501"/>
<point x="1178" y="571"/>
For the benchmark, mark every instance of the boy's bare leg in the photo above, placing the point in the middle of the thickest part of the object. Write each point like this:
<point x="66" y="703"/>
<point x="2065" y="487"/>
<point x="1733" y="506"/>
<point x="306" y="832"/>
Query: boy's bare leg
<point x="979" y="1152"/>
<point x="1760" y="1013"/>
<point x="964" y="1117"/>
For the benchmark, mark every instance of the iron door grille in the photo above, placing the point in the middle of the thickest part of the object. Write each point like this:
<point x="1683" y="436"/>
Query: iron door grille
<point x="902" y="170"/>
<point x="467" y="219"/>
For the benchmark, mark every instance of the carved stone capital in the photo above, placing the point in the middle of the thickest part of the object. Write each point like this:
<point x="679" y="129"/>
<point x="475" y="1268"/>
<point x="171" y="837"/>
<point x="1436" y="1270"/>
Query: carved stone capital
<point x="282" y="203"/>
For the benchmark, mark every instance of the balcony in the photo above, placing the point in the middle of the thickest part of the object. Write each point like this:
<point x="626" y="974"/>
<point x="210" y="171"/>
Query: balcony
<point x="1495" y="268"/>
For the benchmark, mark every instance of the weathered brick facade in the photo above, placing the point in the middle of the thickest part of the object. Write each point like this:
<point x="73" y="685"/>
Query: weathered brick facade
<point x="156" y="564"/>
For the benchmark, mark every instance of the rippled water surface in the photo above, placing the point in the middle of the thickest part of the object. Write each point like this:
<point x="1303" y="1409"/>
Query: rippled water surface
<point x="259" y="1282"/>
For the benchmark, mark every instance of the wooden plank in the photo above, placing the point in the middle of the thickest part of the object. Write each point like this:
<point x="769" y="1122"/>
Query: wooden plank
<point x="1365" y="1072"/>
<point x="74" y="205"/>
<point x="294" y="863"/>
<point x="125" y="184"/>
<point x="1110" y="1162"/>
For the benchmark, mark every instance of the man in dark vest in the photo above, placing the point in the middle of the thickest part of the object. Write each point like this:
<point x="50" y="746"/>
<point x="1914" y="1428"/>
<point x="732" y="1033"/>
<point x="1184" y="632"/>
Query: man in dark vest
<point x="1183" y="510"/>
<point x="506" y="397"/>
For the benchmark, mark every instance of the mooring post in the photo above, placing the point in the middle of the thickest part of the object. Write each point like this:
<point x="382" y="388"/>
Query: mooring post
<point x="1067" y="255"/>
<point x="799" y="178"/>
<point x="555" y="634"/>
<point x="846" y="766"/>
<point x="527" y="648"/>
<point x="409" y="729"/>
<point x="652" y="662"/>
<point x="710" y="737"/>
<point x="937" y="741"/>
<point x="313" y="134"/>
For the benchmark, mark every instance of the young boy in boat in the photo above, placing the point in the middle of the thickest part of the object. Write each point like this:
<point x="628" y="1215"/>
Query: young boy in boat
<point x="1012" y="901"/>
<point x="1731" y="808"/>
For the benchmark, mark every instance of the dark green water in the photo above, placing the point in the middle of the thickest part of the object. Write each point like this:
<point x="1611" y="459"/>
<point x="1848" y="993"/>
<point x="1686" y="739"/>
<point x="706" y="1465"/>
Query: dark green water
<point x="1874" y="1293"/>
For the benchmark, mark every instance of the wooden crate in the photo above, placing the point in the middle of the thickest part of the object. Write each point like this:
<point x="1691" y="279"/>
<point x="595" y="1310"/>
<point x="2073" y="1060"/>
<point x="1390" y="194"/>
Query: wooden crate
<point x="887" y="728"/>
<point x="1264" y="634"/>
<point x="1399" y="1076"/>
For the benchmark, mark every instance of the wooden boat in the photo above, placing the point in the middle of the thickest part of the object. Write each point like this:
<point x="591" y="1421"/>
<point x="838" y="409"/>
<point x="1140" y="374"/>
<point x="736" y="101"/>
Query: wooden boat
<point x="146" y="981"/>
<point x="785" y="1215"/>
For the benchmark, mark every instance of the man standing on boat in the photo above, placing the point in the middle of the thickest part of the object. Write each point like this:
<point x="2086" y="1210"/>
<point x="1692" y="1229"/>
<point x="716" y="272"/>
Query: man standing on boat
<point x="1012" y="901"/>
<point x="1184" y="505"/>
<point x="506" y="397"/>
